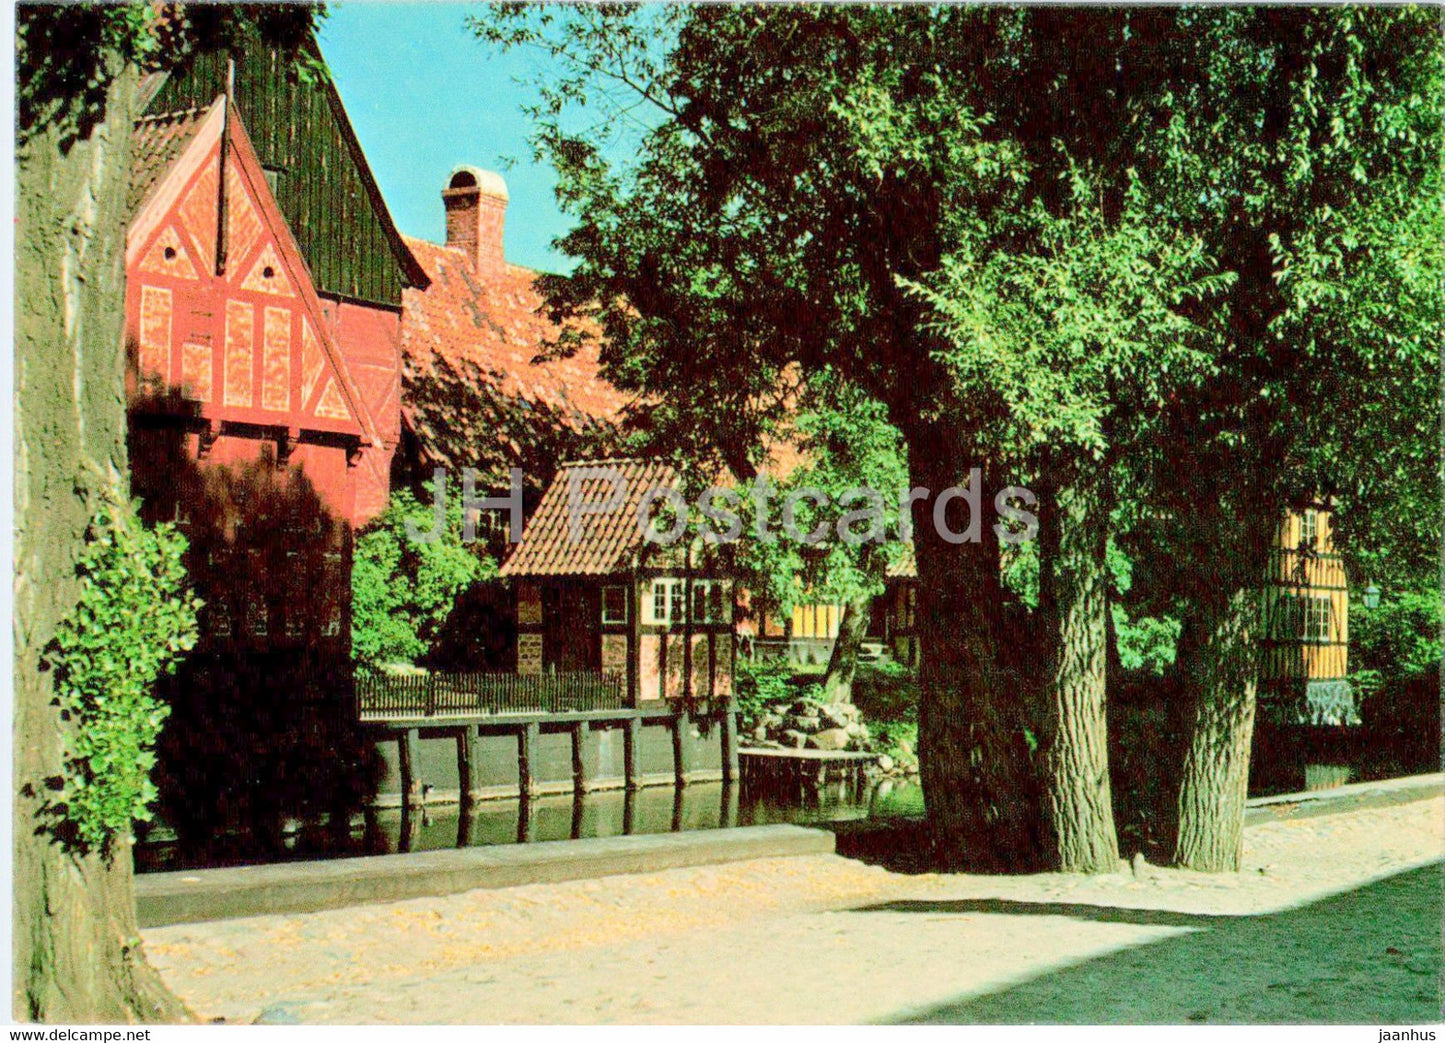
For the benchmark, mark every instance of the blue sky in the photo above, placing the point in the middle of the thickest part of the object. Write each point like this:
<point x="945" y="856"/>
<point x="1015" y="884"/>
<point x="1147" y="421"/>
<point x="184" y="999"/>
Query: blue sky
<point x="425" y="97"/>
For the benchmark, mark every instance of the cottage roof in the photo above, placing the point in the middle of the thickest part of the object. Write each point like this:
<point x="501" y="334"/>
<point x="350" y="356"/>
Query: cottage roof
<point x="600" y="543"/>
<point x="473" y="379"/>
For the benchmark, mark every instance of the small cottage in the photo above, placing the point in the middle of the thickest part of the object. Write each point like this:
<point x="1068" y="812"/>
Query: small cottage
<point x="594" y="595"/>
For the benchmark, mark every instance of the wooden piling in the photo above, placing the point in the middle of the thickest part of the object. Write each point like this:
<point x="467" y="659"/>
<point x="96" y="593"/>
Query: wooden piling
<point x="579" y="767"/>
<point x="407" y="743"/>
<point x="469" y="763"/>
<point x="527" y="737"/>
<point x="730" y="744"/>
<point x="631" y="739"/>
<point x="679" y="747"/>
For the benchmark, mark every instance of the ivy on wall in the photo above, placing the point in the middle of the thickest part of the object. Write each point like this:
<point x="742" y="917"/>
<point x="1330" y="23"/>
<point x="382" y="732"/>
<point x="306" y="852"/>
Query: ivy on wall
<point x="135" y="619"/>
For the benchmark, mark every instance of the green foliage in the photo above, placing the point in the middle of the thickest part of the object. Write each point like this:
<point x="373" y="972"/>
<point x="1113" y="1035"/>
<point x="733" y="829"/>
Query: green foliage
<point x="403" y="590"/>
<point x="760" y="683"/>
<point x="1397" y="642"/>
<point x="851" y="452"/>
<point x="134" y="621"/>
<point x="69" y="55"/>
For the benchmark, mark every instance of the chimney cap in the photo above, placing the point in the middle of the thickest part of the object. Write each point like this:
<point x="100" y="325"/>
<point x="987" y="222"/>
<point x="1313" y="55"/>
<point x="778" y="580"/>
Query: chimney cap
<point x="485" y="181"/>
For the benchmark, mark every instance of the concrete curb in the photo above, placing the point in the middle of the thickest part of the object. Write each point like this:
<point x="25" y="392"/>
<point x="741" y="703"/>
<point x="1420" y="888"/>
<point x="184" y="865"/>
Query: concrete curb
<point x="1357" y="796"/>
<point x="305" y="887"/>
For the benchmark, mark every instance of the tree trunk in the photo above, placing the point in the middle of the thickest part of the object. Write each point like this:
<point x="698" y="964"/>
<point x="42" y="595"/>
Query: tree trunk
<point x="843" y="661"/>
<point x="1074" y="602"/>
<point x="979" y="787"/>
<point x="77" y="952"/>
<point x="1217" y="667"/>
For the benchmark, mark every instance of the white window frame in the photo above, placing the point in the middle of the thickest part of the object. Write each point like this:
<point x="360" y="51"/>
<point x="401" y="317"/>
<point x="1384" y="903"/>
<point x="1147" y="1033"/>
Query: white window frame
<point x="1309" y="530"/>
<point x="712" y="596"/>
<point x="619" y="589"/>
<point x="660" y="590"/>
<point x="1318" y="619"/>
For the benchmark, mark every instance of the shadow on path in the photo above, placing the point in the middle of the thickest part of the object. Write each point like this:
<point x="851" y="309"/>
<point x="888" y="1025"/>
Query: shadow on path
<point x="1372" y="955"/>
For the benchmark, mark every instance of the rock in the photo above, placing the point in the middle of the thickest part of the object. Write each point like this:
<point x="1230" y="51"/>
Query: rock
<point x="830" y="739"/>
<point x="862" y="734"/>
<point x="836" y="715"/>
<point x="803" y="707"/>
<point x="276" y="1016"/>
<point x="793" y="739"/>
<point x="853" y="728"/>
<point x="905" y="747"/>
<point x="772" y="719"/>
<point x="760" y="733"/>
<point x="1139" y="866"/>
<point x="885" y="762"/>
<point x="804" y="723"/>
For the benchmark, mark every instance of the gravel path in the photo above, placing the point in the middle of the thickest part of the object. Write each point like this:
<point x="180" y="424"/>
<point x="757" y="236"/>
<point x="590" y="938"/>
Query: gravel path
<point x="1334" y="919"/>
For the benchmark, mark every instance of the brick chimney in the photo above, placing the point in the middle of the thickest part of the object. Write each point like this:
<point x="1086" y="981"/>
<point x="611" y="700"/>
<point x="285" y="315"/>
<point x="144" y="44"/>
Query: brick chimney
<point x="476" y="205"/>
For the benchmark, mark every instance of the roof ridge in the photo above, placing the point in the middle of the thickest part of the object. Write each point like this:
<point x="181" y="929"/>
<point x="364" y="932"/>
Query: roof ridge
<point x="615" y="460"/>
<point x="174" y="114"/>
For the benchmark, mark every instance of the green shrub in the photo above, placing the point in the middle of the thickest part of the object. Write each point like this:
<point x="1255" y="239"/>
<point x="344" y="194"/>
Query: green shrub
<point x="403" y="590"/>
<point x="761" y="682"/>
<point x="135" y="619"/>
<point x="1395" y="643"/>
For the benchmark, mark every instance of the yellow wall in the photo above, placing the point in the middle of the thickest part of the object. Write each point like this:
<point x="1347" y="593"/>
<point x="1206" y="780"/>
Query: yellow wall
<point x="1305" y="570"/>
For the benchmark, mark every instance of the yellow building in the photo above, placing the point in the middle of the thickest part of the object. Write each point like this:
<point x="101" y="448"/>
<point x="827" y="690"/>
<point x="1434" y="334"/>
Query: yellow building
<point x="1304" y="654"/>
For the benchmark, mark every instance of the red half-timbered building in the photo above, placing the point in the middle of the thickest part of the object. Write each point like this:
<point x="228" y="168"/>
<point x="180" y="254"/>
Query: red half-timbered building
<point x="263" y="327"/>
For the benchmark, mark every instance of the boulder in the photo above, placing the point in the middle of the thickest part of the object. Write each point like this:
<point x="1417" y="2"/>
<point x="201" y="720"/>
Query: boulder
<point x="837" y="715"/>
<point x="885" y="762"/>
<point x="803" y="707"/>
<point x="793" y="739"/>
<point x="805" y="722"/>
<point x="760" y="733"/>
<point x="830" y="739"/>
<point x="854" y="729"/>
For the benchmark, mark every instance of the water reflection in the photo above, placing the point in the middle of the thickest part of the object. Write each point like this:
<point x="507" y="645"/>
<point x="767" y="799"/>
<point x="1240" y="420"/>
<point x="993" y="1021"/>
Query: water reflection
<point x="604" y="813"/>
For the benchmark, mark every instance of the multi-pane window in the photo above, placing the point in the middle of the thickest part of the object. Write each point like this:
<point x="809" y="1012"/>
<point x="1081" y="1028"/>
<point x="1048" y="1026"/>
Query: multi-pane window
<point x="1317" y="619"/>
<point x="614" y="604"/>
<point x="1309" y="530"/>
<point x="711" y="602"/>
<point x="1304" y="618"/>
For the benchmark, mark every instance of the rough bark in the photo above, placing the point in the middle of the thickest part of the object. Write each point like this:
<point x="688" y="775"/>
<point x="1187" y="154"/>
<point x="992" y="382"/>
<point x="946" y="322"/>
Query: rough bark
<point x="843" y="660"/>
<point x="1073" y="588"/>
<point x="1217" y="668"/>
<point x="77" y="951"/>
<point x="978" y="784"/>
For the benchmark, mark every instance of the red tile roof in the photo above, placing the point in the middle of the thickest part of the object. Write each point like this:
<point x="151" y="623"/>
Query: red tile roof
<point x="473" y="384"/>
<point x="158" y="142"/>
<point x="601" y="544"/>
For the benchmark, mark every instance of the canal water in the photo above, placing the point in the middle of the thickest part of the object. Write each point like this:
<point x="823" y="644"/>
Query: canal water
<point x="606" y="813"/>
<point x="1286" y="767"/>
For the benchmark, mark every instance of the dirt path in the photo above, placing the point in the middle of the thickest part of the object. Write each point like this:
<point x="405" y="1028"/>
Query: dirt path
<point x="1333" y="919"/>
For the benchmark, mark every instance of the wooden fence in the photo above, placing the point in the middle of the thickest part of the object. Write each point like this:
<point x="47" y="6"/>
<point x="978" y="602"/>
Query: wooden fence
<point x="388" y="696"/>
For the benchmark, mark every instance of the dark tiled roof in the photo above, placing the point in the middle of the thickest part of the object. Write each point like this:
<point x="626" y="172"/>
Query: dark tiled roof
<point x="905" y="567"/>
<point x="604" y="542"/>
<point x="157" y="143"/>
<point x="473" y="385"/>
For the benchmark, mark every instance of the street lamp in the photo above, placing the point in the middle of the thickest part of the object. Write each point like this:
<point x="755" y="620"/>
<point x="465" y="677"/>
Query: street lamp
<point x="1372" y="596"/>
